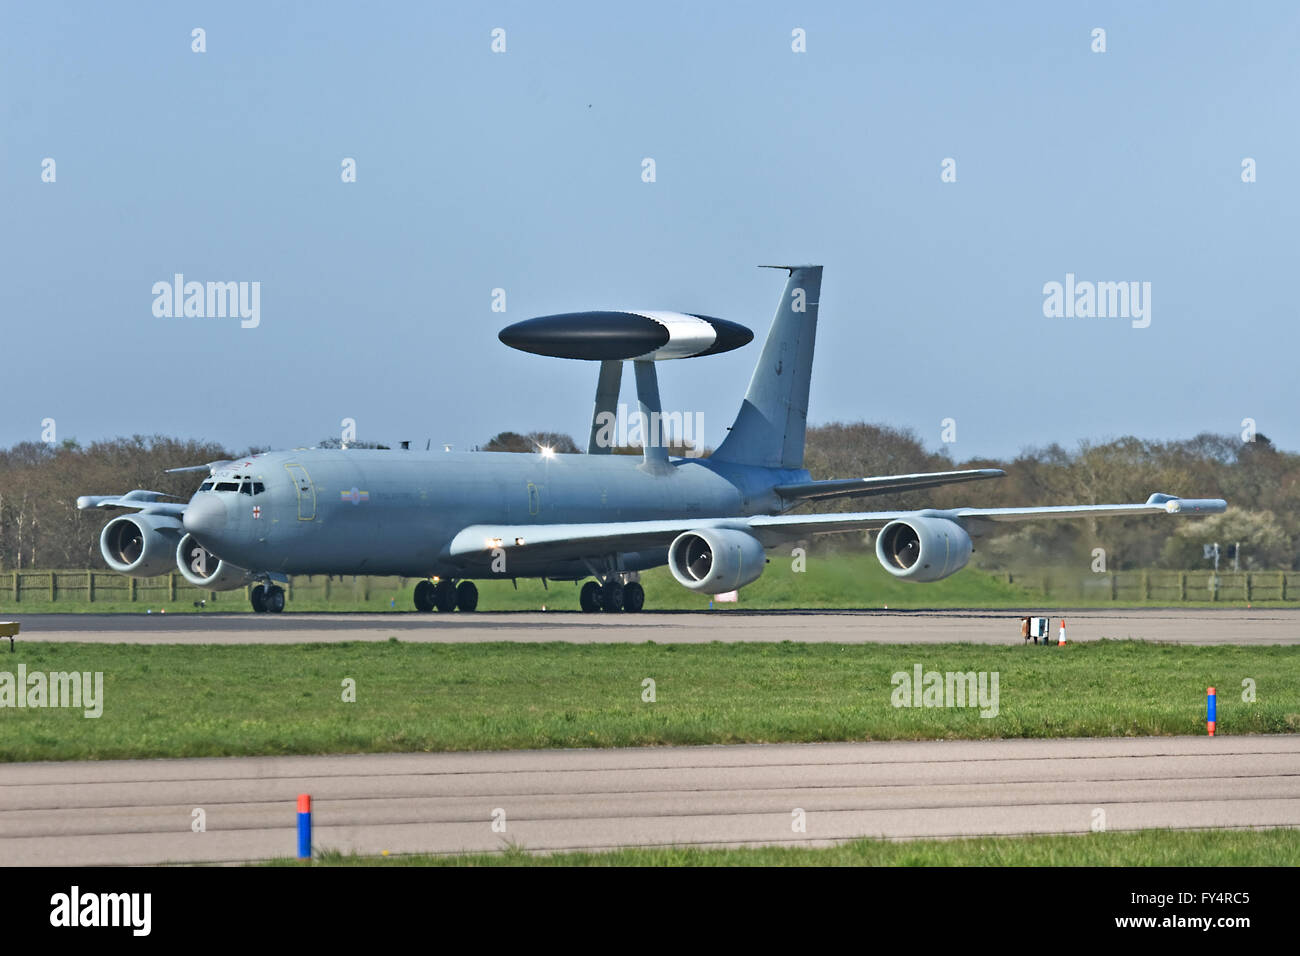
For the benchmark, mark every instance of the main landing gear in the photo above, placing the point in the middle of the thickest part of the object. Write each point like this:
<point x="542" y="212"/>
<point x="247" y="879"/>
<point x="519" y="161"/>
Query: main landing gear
<point x="613" y="595"/>
<point x="446" y="596"/>
<point x="267" y="599"/>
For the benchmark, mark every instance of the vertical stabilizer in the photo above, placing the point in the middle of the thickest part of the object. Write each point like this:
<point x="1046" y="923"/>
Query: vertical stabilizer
<point x="769" y="429"/>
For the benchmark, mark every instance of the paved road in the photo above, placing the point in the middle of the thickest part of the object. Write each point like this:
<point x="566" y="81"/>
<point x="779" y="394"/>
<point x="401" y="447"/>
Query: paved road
<point x="1229" y="626"/>
<point x="140" y="811"/>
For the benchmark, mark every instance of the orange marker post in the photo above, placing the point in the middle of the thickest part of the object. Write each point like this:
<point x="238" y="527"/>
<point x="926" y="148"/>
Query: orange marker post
<point x="304" y="826"/>
<point x="1210" y="710"/>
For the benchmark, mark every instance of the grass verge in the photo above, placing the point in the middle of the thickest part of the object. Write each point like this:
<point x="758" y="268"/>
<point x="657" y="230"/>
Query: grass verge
<point x="1273" y="847"/>
<point x="205" y="700"/>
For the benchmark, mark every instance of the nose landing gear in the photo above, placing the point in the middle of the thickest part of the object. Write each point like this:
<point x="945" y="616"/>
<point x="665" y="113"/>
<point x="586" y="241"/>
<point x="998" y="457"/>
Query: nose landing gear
<point x="267" y="599"/>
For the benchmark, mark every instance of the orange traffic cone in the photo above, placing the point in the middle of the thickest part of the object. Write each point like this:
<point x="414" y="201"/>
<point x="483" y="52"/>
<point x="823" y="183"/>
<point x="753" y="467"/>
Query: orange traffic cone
<point x="1060" y="641"/>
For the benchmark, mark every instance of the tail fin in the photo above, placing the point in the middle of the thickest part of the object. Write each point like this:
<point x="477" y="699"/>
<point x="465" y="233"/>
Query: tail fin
<point x="769" y="429"/>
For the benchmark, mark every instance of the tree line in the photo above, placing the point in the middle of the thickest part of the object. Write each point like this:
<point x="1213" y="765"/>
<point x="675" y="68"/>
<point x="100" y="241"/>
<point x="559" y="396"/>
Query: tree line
<point x="1260" y="483"/>
<point x="40" y="526"/>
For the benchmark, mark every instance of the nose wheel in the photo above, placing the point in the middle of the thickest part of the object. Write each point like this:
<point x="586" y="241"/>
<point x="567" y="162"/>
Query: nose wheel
<point x="267" y="599"/>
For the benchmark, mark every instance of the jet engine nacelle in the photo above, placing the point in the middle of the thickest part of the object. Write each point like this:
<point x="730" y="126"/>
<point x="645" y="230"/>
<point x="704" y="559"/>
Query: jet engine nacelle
<point x="714" y="560"/>
<point x="141" y="545"/>
<point x="205" y="570"/>
<point x="923" y="548"/>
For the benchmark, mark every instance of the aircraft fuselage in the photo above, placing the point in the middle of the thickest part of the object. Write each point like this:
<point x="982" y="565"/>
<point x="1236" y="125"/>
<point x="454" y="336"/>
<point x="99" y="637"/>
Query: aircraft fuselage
<point x="363" y="511"/>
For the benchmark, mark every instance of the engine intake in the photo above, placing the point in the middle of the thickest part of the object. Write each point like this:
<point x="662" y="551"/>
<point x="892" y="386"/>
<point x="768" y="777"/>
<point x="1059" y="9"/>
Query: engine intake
<point x="923" y="548"/>
<point x="715" y="560"/>
<point x="140" y="545"/>
<point x="205" y="570"/>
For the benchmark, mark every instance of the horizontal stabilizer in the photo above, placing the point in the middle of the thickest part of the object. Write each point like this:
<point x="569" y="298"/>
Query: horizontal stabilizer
<point x="861" y="487"/>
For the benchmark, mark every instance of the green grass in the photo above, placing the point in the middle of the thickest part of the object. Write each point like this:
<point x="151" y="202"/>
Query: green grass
<point x="203" y="700"/>
<point x="846" y="579"/>
<point x="1273" y="847"/>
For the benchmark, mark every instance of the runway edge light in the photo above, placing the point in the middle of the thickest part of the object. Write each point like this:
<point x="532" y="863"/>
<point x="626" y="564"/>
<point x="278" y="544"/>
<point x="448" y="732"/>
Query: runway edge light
<point x="304" y="826"/>
<point x="1210" y="710"/>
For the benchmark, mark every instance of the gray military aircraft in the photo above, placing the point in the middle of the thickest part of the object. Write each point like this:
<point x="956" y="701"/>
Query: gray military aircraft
<point x="453" y="518"/>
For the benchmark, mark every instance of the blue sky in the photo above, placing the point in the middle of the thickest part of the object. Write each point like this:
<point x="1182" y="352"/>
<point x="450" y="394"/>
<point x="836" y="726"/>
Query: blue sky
<point x="522" y="171"/>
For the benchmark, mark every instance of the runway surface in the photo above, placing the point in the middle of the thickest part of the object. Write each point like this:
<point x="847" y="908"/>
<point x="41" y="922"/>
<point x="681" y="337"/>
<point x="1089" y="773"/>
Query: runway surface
<point x="142" y="811"/>
<point x="1180" y="625"/>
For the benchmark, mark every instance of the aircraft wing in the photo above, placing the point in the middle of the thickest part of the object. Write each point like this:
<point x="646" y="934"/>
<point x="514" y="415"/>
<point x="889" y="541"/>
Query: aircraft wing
<point x="860" y="487"/>
<point x="210" y="467"/>
<point x="140" y="499"/>
<point x="977" y="521"/>
<point x="562" y="541"/>
<point x="149" y="501"/>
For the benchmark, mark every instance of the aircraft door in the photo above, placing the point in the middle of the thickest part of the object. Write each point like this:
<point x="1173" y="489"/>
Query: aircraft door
<point x="306" y="492"/>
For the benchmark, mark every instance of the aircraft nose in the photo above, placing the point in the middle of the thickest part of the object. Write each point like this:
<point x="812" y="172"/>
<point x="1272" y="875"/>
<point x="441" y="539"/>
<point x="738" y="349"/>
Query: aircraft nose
<point x="205" y="515"/>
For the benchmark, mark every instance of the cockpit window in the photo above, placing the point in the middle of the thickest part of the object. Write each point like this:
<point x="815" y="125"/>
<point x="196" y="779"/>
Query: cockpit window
<point x="206" y="486"/>
<point x="227" y="486"/>
<point x="246" y="487"/>
<point x="258" y="487"/>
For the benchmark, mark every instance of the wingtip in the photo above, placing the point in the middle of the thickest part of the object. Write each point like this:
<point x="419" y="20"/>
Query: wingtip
<point x="1175" y="505"/>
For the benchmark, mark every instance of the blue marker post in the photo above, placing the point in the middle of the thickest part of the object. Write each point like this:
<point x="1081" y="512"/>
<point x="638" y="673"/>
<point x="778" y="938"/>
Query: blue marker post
<point x="1210" y="709"/>
<point x="304" y="826"/>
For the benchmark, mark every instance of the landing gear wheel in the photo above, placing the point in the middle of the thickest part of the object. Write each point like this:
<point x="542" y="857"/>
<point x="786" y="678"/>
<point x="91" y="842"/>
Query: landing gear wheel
<point x="589" y="597"/>
<point x="275" y="599"/>
<point x="633" y="597"/>
<point x="466" y="596"/>
<point x="424" y="596"/>
<point x="611" y="597"/>
<point x="444" y="596"/>
<point x="257" y="597"/>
